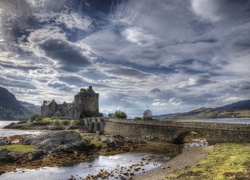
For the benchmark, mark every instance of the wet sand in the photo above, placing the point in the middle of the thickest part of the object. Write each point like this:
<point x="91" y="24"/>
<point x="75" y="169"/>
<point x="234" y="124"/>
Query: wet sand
<point x="189" y="157"/>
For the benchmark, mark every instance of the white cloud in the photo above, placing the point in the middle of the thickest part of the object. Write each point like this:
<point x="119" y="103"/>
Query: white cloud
<point x="139" y="37"/>
<point x="74" y="20"/>
<point x="206" y="9"/>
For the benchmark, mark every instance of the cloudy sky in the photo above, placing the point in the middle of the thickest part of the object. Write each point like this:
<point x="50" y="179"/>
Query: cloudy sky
<point x="166" y="55"/>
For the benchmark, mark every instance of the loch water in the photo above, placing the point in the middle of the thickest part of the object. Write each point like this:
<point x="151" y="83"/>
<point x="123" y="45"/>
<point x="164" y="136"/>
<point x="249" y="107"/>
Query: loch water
<point x="12" y="132"/>
<point x="83" y="169"/>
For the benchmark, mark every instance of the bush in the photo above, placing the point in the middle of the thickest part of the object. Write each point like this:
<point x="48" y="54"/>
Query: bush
<point x="120" y="114"/>
<point x="56" y="123"/>
<point x="35" y="117"/>
<point x="66" y="122"/>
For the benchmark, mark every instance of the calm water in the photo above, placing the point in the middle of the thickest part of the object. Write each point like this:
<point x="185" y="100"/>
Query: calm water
<point x="80" y="171"/>
<point x="11" y="132"/>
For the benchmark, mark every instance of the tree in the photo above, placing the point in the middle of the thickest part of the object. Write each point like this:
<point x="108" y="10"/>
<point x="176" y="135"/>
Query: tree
<point x="147" y="114"/>
<point x="35" y="117"/>
<point x="111" y="115"/>
<point x="120" y="114"/>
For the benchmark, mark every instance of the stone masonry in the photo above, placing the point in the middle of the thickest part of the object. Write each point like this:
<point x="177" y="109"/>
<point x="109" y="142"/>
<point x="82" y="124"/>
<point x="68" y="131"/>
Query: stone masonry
<point x="86" y="104"/>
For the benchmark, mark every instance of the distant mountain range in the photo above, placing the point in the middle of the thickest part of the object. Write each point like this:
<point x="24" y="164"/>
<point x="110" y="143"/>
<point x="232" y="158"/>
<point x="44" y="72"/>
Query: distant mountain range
<point x="240" y="109"/>
<point x="12" y="109"/>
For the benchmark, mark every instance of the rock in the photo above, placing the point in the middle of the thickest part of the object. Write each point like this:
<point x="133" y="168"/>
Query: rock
<point x="6" y="156"/>
<point x="125" y="174"/>
<point x="115" y="142"/>
<point x="66" y="141"/>
<point x="35" y="155"/>
<point x="10" y="126"/>
<point x="25" y="141"/>
<point x="55" y="128"/>
<point x="4" y="141"/>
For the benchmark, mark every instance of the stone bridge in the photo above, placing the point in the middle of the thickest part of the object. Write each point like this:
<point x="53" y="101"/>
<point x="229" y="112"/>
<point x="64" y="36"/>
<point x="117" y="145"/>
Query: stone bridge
<point x="170" y="131"/>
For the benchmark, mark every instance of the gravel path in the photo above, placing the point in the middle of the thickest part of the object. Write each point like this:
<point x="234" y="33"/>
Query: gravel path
<point x="189" y="157"/>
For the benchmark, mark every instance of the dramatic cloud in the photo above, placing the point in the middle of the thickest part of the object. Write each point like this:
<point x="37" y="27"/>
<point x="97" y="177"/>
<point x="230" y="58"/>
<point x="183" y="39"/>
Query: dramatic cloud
<point x="169" y="56"/>
<point x="69" y="57"/>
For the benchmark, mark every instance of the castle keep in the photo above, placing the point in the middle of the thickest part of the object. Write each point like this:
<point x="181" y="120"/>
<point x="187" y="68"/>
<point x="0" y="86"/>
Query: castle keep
<point x="86" y="104"/>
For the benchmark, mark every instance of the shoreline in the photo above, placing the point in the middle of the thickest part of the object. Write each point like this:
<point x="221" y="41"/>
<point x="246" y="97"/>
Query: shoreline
<point x="189" y="157"/>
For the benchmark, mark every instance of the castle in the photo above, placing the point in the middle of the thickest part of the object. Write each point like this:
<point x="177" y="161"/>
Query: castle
<point x="86" y="104"/>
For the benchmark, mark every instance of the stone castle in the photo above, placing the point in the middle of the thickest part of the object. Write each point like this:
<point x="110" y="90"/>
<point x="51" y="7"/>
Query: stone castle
<point x="86" y="104"/>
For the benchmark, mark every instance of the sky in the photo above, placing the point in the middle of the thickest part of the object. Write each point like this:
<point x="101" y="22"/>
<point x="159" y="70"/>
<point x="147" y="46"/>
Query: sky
<point x="164" y="55"/>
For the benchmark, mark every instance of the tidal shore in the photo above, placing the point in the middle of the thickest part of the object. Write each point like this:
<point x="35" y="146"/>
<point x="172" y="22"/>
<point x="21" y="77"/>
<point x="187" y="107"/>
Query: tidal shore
<point x="189" y="157"/>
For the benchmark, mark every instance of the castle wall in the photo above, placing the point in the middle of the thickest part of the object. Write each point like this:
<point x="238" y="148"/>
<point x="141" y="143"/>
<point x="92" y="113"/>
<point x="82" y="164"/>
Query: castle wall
<point x="86" y="105"/>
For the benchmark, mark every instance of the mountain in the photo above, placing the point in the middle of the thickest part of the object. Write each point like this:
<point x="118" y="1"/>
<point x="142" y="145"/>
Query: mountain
<point x="31" y="107"/>
<point x="12" y="109"/>
<point x="240" y="109"/>
<point x="240" y="105"/>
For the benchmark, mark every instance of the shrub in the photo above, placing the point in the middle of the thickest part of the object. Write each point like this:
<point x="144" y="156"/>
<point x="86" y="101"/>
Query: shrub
<point x="66" y="123"/>
<point x="35" y="117"/>
<point x="120" y="114"/>
<point x="56" y="123"/>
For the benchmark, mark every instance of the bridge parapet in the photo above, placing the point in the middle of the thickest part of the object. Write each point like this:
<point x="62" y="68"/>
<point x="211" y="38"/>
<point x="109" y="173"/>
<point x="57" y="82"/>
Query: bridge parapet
<point x="170" y="130"/>
<point x="207" y="125"/>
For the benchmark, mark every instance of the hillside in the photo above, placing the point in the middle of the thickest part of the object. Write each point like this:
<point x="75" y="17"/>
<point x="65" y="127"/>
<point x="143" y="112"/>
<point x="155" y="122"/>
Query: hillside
<point x="240" y="109"/>
<point x="12" y="109"/>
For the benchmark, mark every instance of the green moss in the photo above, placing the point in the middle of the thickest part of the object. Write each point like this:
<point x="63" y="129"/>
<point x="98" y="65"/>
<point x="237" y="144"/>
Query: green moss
<point x="19" y="148"/>
<point x="226" y="161"/>
<point x="94" y="142"/>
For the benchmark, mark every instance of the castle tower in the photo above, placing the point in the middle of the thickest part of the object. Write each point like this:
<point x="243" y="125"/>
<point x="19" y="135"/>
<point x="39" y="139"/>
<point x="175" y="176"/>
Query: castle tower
<point x="86" y="103"/>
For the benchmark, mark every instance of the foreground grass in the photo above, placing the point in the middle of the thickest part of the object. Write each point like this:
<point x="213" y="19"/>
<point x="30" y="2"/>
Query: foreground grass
<point x="19" y="148"/>
<point x="226" y="161"/>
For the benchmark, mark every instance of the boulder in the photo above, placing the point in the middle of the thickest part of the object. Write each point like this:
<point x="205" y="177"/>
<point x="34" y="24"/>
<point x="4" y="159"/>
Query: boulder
<point x="4" y="141"/>
<point x="6" y="157"/>
<point x="59" y="141"/>
<point x="10" y="126"/>
<point x="115" y="142"/>
<point x="35" y="154"/>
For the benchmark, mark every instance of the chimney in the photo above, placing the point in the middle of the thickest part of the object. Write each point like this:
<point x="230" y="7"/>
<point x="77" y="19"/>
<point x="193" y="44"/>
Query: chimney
<point x="90" y="87"/>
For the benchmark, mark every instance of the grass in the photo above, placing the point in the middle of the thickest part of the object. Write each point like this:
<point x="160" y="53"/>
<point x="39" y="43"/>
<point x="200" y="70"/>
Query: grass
<point x="19" y="148"/>
<point x="226" y="161"/>
<point x="51" y="121"/>
<point x="95" y="142"/>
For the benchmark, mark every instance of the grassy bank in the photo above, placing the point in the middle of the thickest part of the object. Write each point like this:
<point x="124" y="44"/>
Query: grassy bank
<point x="226" y="161"/>
<point x="52" y="121"/>
<point x="18" y="148"/>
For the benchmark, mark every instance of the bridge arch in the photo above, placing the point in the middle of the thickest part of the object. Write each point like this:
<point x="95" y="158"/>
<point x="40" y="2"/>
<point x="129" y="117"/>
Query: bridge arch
<point x="98" y="126"/>
<point x="95" y="125"/>
<point x="191" y="138"/>
<point x="92" y="128"/>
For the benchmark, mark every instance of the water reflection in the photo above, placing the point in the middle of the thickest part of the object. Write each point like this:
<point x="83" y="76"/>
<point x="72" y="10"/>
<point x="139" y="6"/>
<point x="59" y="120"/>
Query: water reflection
<point x="117" y="164"/>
